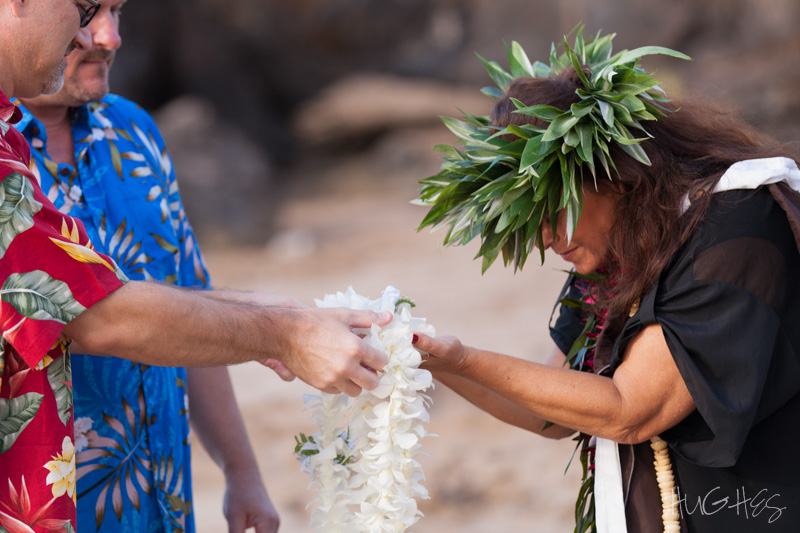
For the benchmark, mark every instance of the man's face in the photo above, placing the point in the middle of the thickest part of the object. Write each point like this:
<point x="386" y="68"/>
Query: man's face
<point x="50" y="31"/>
<point x="86" y="72"/>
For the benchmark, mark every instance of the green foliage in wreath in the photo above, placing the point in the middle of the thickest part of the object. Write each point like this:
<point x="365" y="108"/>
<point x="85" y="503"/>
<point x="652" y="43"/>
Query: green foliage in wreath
<point x="501" y="183"/>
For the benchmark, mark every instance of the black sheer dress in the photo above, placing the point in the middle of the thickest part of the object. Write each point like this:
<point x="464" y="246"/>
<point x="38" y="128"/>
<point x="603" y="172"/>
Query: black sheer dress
<point x="729" y="306"/>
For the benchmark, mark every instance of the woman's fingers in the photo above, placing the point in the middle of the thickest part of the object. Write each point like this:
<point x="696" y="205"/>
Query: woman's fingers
<point x="279" y="368"/>
<point x="445" y="353"/>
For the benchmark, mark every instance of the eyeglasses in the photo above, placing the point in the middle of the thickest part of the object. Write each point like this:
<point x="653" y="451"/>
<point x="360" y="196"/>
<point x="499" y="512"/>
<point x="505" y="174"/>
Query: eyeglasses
<point x="88" y="13"/>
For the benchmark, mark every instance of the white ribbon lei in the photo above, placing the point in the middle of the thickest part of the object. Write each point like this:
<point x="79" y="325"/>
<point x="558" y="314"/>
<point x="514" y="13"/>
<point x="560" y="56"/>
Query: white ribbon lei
<point x="362" y="459"/>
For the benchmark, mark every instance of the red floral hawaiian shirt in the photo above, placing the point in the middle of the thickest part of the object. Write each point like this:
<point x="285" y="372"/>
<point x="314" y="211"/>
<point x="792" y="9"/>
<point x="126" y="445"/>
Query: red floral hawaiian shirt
<point x="49" y="274"/>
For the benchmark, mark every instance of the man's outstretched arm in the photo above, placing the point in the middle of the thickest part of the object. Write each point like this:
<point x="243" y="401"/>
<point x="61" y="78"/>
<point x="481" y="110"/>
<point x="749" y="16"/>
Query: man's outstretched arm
<point x="159" y="325"/>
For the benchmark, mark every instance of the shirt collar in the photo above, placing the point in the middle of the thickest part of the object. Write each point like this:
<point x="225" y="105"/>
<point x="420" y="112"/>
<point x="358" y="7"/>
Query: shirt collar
<point x="31" y="128"/>
<point x="8" y="112"/>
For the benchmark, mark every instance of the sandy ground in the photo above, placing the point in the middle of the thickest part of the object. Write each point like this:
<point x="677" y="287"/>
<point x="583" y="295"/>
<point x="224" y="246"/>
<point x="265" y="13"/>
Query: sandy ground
<point x="356" y="227"/>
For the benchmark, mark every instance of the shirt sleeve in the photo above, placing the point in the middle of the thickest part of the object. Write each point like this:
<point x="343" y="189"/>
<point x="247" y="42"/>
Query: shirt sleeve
<point x="571" y="320"/>
<point x="49" y="272"/>
<point x="722" y="307"/>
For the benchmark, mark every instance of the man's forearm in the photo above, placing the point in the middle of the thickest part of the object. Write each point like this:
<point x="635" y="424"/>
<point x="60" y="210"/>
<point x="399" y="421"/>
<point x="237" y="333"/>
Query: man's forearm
<point x="165" y="326"/>
<point x="256" y="298"/>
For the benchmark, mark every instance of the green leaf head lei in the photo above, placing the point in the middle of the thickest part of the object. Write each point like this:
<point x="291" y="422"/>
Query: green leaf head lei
<point x="501" y="182"/>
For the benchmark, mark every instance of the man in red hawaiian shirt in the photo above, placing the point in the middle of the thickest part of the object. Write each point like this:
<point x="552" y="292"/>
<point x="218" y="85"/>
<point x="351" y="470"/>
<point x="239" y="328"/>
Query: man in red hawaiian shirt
<point x="56" y="289"/>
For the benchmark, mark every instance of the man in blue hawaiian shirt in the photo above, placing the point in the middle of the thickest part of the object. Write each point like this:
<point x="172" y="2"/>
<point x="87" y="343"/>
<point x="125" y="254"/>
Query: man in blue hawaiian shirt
<point x="101" y="158"/>
<point x="59" y="294"/>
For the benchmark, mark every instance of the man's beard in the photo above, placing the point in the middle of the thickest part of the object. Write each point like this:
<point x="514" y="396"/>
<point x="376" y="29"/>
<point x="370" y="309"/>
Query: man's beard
<point x="56" y="80"/>
<point x="79" y="92"/>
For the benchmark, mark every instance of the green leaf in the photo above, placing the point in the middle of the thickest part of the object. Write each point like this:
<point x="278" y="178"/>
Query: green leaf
<point x="576" y="63"/>
<point x="500" y="77"/>
<point x="38" y="296"/>
<point x="470" y="134"/>
<point x="448" y="150"/>
<point x="532" y="153"/>
<point x="572" y="138"/>
<point x="545" y="112"/>
<point x="518" y="61"/>
<point x="627" y="56"/>
<point x="636" y="152"/>
<point x="15" y="415"/>
<point x="540" y="70"/>
<point x="621" y="112"/>
<point x="607" y="112"/>
<point x="17" y="208"/>
<point x="519" y="132"/>
<point x="492" y="92"/>
<point x="585" y="133"/>
<point x="59" y="374"/>
<point x="581" y="109"/>
<point x="633" y="104"/>
<point x="559" y="127"/>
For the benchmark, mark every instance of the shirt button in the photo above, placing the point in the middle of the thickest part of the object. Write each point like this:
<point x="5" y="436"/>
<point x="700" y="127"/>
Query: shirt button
<point x="35" y="130"/>
<point x="64" y="171"/>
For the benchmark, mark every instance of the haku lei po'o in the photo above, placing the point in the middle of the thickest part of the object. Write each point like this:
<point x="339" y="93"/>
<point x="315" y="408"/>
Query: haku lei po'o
<point x="362" y="458"/>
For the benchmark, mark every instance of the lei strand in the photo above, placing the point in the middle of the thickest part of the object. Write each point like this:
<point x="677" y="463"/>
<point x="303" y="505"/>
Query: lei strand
<point x="665" y="477"/>
<point x="581" y="358"/>
<point x="363" y="455"/>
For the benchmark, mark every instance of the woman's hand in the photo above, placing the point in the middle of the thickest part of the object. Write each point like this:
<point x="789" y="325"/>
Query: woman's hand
<point x="279" y="368"/>
<point x="442" y="354"/>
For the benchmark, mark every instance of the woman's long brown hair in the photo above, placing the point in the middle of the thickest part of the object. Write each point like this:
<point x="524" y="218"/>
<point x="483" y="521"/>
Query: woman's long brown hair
<point x="689" y="150"/>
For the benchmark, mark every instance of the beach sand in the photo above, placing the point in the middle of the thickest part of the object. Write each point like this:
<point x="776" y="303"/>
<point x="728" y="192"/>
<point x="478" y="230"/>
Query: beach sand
<point x="350" y="228"/>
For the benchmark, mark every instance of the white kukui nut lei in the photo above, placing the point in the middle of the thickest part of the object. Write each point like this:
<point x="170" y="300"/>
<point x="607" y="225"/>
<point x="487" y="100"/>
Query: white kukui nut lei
<point x="362" y="459"/>
<point x="666" y="485"/>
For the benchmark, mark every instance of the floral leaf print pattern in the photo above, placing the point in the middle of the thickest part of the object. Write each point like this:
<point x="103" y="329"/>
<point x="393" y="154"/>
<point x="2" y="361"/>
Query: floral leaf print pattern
<point x="122" y="248"/>
<point x="17" y="208"/>
<point x="128" y="451"/>
<point x="21" y="517"/>
<point x="172" y="485"/>
<point x="76" y="250"/>
<point x="59" y="375"/>
<point x="160" y="160"/>
<point x="158" y="164"/>
<point x="38" y="296"/>
<point x="62" y="471"/>
<point x="15" y="415"/>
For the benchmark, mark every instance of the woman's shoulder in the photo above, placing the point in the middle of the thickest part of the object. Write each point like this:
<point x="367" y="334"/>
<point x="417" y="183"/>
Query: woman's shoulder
<point x="740" y="218"/>
<point x="744" y="240"/>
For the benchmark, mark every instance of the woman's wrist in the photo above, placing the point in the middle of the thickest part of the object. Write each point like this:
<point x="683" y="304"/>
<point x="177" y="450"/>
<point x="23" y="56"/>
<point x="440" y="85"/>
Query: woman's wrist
<point x="465" y="362"/>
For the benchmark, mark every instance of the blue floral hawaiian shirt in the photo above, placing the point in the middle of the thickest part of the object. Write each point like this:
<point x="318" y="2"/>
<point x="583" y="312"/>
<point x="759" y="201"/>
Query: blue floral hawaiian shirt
<point x="131" y="420"/>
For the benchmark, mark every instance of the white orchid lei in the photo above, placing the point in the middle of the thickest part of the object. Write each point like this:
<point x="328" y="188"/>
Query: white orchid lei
<point x="362" y="458"/>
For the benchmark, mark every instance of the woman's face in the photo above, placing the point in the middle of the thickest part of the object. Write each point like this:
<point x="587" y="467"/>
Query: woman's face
<point x="588" y="249"/>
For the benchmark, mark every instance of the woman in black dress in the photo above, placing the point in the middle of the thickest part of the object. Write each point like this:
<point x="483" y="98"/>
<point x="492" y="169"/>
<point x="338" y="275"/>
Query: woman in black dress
<point x="681" y="321"/>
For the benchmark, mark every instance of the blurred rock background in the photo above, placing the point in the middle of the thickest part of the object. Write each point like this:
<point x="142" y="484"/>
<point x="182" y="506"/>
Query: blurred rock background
<point x="252" y="92"/>
<point x="298" y="130"/>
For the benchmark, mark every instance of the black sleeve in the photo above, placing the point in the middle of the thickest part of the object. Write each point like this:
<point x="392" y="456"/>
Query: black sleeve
<point x="570" y="321"/>
<point x="727" y="307"/>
